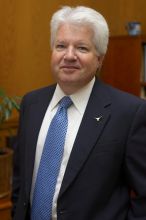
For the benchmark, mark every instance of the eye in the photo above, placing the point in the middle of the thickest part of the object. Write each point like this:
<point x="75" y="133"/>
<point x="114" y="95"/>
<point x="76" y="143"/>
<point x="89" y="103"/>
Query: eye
<point x="60" y="46"/>
<point x="83" y="49"/>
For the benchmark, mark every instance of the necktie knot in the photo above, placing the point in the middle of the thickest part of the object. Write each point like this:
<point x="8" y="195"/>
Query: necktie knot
<point x="65" y="102"/>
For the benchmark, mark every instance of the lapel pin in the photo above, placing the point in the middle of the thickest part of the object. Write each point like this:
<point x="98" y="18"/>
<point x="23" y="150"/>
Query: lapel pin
<point x="98" y="118"/>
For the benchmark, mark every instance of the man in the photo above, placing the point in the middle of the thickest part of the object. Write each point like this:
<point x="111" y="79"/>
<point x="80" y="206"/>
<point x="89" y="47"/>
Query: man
<point x="102" y="170"/>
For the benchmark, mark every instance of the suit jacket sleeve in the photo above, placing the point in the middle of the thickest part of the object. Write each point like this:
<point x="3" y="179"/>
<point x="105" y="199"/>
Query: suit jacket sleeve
<point x="136" y="165"/>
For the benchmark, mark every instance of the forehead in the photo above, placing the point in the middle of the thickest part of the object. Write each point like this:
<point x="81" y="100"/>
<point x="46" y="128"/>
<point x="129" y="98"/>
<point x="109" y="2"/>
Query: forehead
<point x="74" y="32"/>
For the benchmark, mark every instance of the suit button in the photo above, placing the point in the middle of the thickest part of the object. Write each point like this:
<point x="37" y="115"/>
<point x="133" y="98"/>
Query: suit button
<point x="62" y="211"/>
<point x="24" y="204"/>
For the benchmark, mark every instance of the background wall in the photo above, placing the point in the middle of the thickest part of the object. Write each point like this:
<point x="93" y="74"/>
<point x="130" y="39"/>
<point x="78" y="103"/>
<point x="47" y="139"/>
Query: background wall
<point x="24" y="37"/>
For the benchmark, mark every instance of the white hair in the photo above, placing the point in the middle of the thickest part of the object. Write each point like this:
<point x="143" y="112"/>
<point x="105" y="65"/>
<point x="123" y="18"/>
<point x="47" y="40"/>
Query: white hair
<point x="81" y="15"/>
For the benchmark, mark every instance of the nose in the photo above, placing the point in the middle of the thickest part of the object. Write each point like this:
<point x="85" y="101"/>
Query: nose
<point x="70" y="54"/>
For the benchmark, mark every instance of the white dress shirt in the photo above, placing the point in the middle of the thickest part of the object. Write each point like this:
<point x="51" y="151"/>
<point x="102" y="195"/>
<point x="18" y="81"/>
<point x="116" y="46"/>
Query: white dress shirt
<point x="75" y="114"/>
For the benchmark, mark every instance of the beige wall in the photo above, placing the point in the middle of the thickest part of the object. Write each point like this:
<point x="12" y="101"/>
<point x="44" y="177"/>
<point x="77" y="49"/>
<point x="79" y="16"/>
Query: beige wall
<point x="24" y="37"/>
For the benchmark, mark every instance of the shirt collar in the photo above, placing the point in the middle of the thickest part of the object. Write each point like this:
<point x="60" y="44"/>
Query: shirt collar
<point x="80" y="98"/>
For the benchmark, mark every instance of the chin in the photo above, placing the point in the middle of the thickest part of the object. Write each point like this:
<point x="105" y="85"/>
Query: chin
<point x="67" y="78"/>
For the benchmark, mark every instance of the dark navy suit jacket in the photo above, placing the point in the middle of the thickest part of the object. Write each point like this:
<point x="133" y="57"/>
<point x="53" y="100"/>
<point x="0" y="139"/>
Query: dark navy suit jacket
<point x="107" y="163"/>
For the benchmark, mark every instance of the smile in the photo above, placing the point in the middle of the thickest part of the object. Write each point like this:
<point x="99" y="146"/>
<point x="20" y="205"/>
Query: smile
<point x="69" y="67"/>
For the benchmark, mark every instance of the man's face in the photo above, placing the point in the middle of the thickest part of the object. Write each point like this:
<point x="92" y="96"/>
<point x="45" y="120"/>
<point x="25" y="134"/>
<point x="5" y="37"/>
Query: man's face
<point x="74" y="60"/>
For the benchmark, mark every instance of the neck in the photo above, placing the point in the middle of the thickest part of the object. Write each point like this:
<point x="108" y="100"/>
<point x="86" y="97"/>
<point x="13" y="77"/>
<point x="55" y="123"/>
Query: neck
<point x="68" y="90"/>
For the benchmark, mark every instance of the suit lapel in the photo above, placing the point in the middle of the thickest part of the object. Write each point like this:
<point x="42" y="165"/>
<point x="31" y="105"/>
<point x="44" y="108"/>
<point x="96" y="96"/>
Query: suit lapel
<point x="35" y="117"/>
<point x="89" y="132"/>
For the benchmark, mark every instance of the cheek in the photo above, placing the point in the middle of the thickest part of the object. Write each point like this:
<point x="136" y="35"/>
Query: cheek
<point x="54" y="64"/>
<point x="55" y="58"/>
<point x="96" y="62"/>
<point x="92" y="64"/>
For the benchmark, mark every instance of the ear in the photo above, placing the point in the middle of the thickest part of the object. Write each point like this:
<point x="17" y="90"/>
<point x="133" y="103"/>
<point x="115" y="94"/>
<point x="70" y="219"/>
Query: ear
<point x="100" y="61"/>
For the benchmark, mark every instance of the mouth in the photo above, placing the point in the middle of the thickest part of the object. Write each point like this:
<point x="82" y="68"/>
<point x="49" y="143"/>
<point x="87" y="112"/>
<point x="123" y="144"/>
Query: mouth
<point x="69" y="67"/>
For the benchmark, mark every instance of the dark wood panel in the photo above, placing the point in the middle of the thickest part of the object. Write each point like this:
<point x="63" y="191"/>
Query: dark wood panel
<point x="5" y="209"/>
<point x="123" y="63"/>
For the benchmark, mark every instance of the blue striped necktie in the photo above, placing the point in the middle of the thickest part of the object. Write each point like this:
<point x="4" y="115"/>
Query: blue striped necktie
<point x="50" y="163"/>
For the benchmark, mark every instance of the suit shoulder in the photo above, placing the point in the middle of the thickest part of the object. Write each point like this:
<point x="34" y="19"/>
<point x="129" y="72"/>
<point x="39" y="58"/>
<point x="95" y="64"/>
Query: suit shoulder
<point x="122" y="96"/>
<point x="34" y="95"/>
